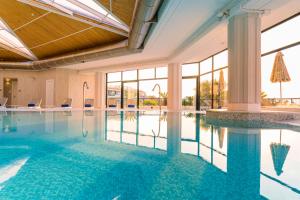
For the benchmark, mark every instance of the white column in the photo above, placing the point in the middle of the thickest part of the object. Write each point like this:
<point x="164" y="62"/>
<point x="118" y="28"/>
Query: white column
<point x="174" y="86"/>
<point x="100" y="90"/>
<point x="244" y="33"/>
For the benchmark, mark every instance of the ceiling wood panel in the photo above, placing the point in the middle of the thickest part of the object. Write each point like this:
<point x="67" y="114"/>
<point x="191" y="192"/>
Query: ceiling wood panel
<point x="51" y="34"/>
<point x="6" y="55"/>
<point x="87" y="39"/>
<point x="49" y="28"/>
<point x="16" y="14"/>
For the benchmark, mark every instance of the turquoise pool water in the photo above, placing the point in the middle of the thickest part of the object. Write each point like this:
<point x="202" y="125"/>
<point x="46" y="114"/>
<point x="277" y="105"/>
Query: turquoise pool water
<point x="143" y="155"/>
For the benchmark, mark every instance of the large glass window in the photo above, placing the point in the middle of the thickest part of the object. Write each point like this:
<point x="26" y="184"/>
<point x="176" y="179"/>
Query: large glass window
<point x="130" y="93"/>
<point x="116" y="76"/>
<point x="114" y="95"/>
<point x="285" y="38"/>
<point x="189" y="92"/>
<point x="211" y="92"/>
<point x="130" y="75"/>
<point x="281" y="35"/>
<point x="221" y="60"/>
<point x="206" y="91"/>
<point x="206" y="66"/>
<point x="214" y="70"/>
<point x="290" y="92"/>
<point x="162" y="72"/>
<point x="144" y="88"/>
<point x="150" y="98"/>
<point x="190" y="69"/>
<point x="147" y="73"/>
<point x="220" y="88"/>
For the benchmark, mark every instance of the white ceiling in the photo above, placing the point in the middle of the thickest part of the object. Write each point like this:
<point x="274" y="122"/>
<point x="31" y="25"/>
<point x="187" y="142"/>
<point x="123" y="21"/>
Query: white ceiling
<point x="188" y="31"/>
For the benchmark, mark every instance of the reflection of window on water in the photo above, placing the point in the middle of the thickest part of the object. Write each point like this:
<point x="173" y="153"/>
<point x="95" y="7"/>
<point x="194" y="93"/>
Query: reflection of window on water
<point x="137" y="128"/>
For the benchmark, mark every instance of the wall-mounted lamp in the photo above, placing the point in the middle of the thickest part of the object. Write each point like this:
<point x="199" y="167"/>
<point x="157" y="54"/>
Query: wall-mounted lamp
<point x="223" y="14"/>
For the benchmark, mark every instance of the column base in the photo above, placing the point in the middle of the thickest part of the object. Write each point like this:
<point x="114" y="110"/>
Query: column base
<point x="244" y="107"/>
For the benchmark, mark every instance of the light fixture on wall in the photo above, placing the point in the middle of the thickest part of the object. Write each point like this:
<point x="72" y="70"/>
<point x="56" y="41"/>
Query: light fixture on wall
<point x="223" y="14"/>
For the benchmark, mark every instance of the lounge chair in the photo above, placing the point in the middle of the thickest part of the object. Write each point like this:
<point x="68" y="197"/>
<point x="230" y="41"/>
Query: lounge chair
<point x="89" y="103"/>
<point x="67" y="103"/>
<point x="35" y="103"/>
<point x="3" y="102"/>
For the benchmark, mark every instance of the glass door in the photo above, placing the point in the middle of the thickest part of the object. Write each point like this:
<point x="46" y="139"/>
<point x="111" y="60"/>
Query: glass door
<point x="130" y="94"/>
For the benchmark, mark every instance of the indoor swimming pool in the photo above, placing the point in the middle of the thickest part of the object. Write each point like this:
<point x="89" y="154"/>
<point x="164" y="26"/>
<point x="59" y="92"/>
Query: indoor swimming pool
<point x="144" y="155"/>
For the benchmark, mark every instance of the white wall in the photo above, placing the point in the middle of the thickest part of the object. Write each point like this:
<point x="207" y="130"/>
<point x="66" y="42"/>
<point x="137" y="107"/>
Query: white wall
<point x="32" y="85"/>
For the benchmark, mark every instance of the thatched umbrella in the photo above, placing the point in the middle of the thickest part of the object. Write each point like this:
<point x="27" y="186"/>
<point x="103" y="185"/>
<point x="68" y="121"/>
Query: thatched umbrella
<point x="279" y="72"/>
<point x="221" y="87"/>
<point x="279" y="153"/>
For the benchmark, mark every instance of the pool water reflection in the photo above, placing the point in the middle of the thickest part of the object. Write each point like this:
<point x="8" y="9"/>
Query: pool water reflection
<point x="143" y="155"/>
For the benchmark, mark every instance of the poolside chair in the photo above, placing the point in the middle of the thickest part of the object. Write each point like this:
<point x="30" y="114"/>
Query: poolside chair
<point x="67" y="103"/>
<point x="89" y="103"/>
<point x="35" y="103"/>
<point x="3" y="102"/>
<point x="131" y="106"/>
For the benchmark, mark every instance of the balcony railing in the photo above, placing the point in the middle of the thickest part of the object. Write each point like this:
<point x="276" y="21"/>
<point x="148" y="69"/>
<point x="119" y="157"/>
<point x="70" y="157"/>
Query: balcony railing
<point x="276" y="101"/>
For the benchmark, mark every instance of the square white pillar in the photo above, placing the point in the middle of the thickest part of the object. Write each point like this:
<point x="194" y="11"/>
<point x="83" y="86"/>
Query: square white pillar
<point x="244" y="59"/>
<point x="174" y="86"/>
<point x="100" y="90"/>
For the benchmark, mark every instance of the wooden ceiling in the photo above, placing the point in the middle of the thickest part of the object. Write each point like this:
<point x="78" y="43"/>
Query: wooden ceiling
<point x="49" y="34"/>
<point x="6" y="55"/>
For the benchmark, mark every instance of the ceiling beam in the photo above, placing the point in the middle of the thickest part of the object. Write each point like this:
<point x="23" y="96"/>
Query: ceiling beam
<point x="64" y="37"/>
<point x="53" y="10"/>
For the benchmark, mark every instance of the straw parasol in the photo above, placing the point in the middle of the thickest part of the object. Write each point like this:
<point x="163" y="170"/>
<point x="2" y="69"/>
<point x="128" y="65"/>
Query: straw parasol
<point x="279" y="153"/>
<point x="279" y="72"/>
<point x="221" y="87"/>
